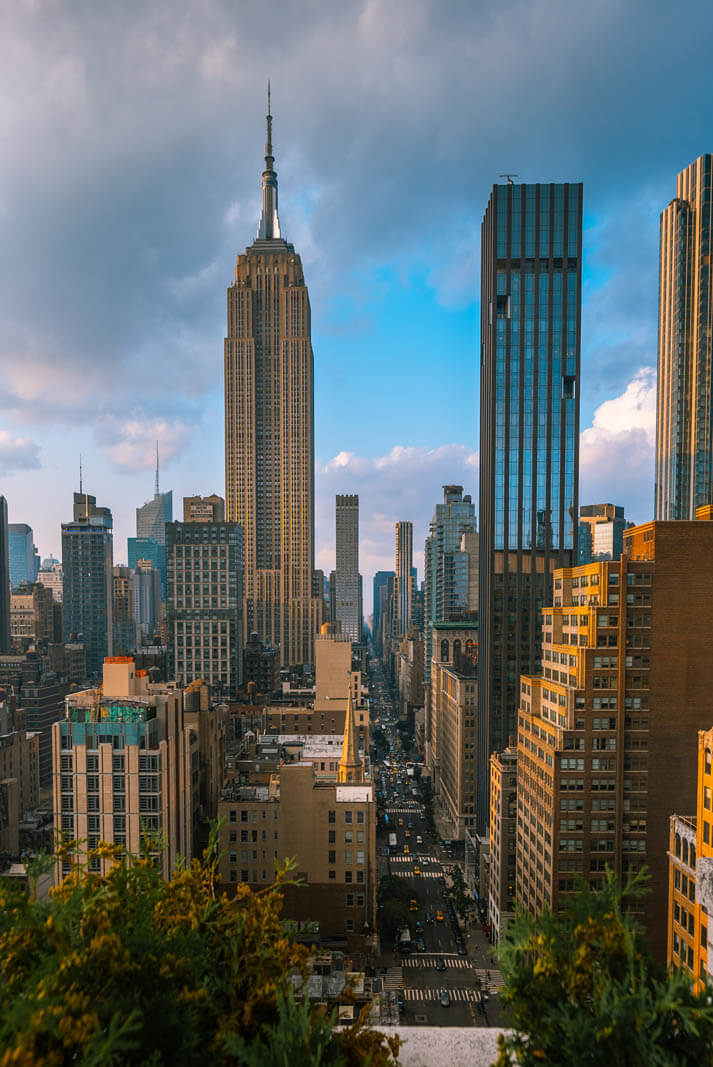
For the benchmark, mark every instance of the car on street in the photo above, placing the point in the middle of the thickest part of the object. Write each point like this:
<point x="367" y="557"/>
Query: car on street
<point x="406" y="850"/>
<point x="429" y="918"/>
<point x="440" y="965"/>
<point x="417" y="869"/>
<point x="413" y="905"/>
<point x="444" y="998"/>
<point x="439" y="916"/>
<point x="421" y="945"/>
<point x="462" y="950"/>
<point x="419" y="926"/>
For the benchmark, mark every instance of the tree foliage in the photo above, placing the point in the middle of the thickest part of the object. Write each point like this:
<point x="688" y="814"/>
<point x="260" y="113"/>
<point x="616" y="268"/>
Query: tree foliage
<point x="126" y="967"/>
<point x="581" y="989"/>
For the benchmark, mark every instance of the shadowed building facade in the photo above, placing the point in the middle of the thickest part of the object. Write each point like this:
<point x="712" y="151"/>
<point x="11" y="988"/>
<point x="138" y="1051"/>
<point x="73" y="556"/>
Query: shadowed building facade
<point x="269" y="433"/>
<point x="531" y="296"/>
<point x="347" y="585"/>
<point x="684" y="405"/>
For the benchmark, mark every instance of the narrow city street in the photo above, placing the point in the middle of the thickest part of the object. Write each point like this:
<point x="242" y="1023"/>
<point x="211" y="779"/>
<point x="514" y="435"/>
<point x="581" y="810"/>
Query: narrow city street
<point x="441" y="967"/>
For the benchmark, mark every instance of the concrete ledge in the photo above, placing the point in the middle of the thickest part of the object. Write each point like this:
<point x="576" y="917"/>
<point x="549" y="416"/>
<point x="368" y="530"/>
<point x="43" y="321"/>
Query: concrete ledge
<point x="457" y="1046"/>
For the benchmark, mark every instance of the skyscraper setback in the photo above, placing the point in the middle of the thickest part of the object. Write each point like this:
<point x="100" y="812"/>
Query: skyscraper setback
<point x="269" y="433"/>
<point x="531" y="296"/>
<point x="684" y="408"/>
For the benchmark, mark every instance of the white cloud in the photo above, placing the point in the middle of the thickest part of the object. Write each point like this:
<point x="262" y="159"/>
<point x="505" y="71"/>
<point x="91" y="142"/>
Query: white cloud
<point x="130" y="443"/>
<point x="17" y="453"/>
<point x="616" y="458"/>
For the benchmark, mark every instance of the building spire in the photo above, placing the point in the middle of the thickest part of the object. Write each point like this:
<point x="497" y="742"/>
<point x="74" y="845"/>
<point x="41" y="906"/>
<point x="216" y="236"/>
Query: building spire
<point x="157" y="468"/>
<point x="269" y="222"/>
<point x="80" y="473"/>
<point x="350" y="765"/>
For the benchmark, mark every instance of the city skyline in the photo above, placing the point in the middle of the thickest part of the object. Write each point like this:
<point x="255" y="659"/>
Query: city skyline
<point x="378" y="314"/>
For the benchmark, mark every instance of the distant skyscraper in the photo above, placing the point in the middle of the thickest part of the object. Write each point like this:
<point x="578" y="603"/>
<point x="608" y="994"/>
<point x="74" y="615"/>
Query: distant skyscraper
<point x="204" y="563"/>
<point x="145" y="548"/>
<point x="50" y="575"/>
<point x="23" y="567"/>
<point x="269" y="433"/>
<point x="4" y="579"/>
<point x="531" y="286"/>
<point x="404" y="575"/>
<point x="152" y="517"/>
<point x="446" y="565"/>
<point x="380" y="592"/>
<point x="601" y="532"/>
<point x="87" y="565"/>
<point x="684" y="410"/>
<point x="347" y="571"/>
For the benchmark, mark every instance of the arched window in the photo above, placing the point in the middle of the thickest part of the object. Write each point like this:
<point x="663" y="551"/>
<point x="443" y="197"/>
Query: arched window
<point x="692" y="857"/>
<point x="444" y="651"/>
<point x="684" y="850"/>
<point x="456" y="651"/>
<point x="678" y="845"/>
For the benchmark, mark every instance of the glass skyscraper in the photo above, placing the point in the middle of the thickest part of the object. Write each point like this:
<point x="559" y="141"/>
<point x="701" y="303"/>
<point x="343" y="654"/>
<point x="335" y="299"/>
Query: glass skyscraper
<point x="531" y="295"/>
<point x="684" y="409"/>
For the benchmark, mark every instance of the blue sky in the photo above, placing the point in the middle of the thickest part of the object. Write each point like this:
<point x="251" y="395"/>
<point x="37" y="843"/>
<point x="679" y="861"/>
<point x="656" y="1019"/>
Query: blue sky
<point x="132" y="136"/>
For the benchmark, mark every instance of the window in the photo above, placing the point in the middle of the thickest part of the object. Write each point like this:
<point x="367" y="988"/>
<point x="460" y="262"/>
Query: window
<point x="347" y="816"/>
<point x="332" y="816"/>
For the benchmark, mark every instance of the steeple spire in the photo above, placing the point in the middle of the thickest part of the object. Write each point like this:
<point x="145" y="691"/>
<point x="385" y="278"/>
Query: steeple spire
<point x="269" y="222"/>
<point x="351" y="768"/>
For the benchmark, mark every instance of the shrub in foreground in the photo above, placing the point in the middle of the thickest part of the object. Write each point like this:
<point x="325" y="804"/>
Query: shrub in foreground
<point x="126" y="968"/>
<point x="581" y="988"/>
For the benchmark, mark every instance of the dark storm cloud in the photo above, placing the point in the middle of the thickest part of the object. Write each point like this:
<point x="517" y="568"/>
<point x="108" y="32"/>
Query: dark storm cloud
<point x="132" y="137"/>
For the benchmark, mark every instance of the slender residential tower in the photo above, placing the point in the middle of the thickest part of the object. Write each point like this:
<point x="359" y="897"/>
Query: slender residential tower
<point x="684" y="408"/>
<point x="269" y="433"/>
<point x="531" y="299"/>
<point x="404" y="576"/>
<point x="348" y="600"/>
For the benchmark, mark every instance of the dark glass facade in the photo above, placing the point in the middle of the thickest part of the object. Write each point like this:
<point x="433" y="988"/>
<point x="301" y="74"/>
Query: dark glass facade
<point x="531" y="296"/>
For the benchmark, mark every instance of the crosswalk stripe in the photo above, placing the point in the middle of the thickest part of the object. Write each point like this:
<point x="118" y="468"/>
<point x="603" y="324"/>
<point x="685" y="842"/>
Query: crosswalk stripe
<point x="417" y="961"/>
<point x="410" y="874"/>
<point x="472" y="995"/>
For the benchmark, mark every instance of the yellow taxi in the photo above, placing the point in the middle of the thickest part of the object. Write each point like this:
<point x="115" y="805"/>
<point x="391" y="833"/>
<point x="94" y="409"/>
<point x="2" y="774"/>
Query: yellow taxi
<point x="406" y="850"/>
<point x="407" y="834"/>
<point x="417" y="869"/>
<point x="439" y="916"/>
<point x="413" y="905"/>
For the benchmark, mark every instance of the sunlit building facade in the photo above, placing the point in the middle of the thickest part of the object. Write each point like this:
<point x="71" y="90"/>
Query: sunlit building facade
<point x="269" y="433"/>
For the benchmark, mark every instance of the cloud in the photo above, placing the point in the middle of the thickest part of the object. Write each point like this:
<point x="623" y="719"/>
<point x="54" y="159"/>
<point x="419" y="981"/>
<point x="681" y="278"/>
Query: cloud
<point x="17" y="453"/>
<point x="616" y="458"/>
<point x="404" y="484"/>
<point x="130" y="443"/>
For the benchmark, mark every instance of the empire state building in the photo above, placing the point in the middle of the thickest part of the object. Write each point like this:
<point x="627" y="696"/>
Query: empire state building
<point x="269" y="432"/>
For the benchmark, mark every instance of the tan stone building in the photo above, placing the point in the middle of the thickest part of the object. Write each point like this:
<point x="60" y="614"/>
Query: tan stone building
<point x="269" y="433"/>
<point x="19" y="772"/>
<point x="451" y="721"/>
<point x="32" y="614"/>
<point x="690" y="875"/>
<point x="502" y="850"/>
<point x="311" y="799"/>
<point x="122" y="762"/>
<point x="607" y="734"/>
